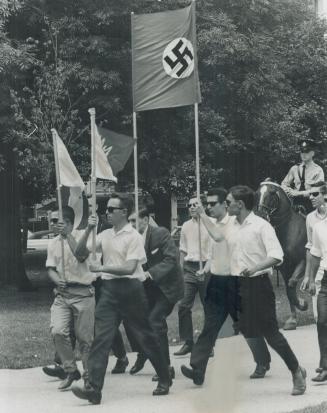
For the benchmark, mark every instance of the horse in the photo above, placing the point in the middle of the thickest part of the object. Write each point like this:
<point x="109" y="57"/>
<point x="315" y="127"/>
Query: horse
<point x="273" y="204"/>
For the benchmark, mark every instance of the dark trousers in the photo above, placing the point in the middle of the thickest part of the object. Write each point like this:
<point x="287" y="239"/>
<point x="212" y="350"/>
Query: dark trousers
<point x="160" y="308"/>
<point x="192" y="286"/>
<point x="222" y="299"/>
<point x="322" y="321"/>
<point x="258" y="317"/>
<point x="122" y="300"/>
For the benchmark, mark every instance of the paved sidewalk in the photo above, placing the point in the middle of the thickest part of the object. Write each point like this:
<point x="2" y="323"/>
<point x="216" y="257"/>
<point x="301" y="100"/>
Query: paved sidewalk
<point x="227" y="388"/>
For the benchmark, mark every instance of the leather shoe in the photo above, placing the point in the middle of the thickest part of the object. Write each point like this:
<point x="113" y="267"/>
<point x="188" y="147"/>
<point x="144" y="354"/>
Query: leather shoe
<point x="319" y="370"/>
<point x="197" y="377"/>
<point x="260" y="371"/>
<point x="171" y="374"/>
<point x="76" y="375"/>
<point x="322" y="376"/>
<point x="56" y="371"/>
<point x="161" y="390"/>
<point x="88" y="393"/>
<point x="185" y="349"/>
<point x="299" y="383"/>
<point x="120" y="366"/>
<point x="138" y="366"/>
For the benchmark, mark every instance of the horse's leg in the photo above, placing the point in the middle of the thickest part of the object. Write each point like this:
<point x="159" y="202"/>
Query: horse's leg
<point x="295" y="302"/>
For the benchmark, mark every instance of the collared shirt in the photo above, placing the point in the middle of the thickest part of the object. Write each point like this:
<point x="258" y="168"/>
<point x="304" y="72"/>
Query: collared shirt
<point x="220" y="251"/>
<point x="75" y="271"/>
<point x="313" y="173"/>
<point x="312" y="219"/>
<point x="119" y="247"/>
<point x="319" y="243"/>
<point x="254" y="241"/>
<point x="189" y="241"/>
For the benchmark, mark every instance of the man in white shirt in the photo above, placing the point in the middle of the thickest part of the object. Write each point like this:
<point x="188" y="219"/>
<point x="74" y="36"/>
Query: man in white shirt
<point x="319" y="263"/>
<point x="222" y="297"/>
<point x="74" y="302"/>
<point x="254" y="250"/>
<point x="190" y="256"/>
<point x="122" y="298"/>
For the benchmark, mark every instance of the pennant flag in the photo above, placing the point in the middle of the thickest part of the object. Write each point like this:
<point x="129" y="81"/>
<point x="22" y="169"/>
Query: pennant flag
<point x="119" y="147"/>
<point x="164" y="59"/>
<point x="76" y="198"/>
<point x="69" y="175"/>
<point x="102" y="167"/>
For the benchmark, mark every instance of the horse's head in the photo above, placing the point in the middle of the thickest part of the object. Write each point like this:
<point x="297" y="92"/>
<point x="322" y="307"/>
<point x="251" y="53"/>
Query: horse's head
<point x="268" y="199"/>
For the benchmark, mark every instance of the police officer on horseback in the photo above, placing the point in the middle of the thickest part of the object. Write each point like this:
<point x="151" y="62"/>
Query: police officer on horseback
<point x="301" y="177"/>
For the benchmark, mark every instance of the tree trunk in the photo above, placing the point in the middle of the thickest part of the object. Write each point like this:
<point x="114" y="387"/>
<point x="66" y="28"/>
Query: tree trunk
<point x="12" y="266"/>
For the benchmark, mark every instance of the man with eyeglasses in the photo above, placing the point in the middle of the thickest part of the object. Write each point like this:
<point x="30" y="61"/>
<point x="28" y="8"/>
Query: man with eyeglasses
<point x="163" y="285"/>
<point x="300" y="178"/>
<point x="254" y="251"/>
<point x="122" y="298"/>
<point x="191" y="254"/>
<point x="222" y="297"/>
<point x="313" y="279"/>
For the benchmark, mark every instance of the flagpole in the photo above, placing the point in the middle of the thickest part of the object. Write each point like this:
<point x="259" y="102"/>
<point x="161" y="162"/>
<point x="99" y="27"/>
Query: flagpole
<point x="136" y="186"/>
<point x="55" y="150"/>
<point x="197" y="173"/>
<point x="93" y="178"/>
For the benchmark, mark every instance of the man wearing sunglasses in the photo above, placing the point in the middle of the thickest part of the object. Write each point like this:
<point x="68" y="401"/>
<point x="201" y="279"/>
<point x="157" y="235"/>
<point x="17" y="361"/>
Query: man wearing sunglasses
<point x="190" y="256"/>
<point x="318" y="198"/>
<point x="122" y="298"/>
<point x="301" y="178"/>
<point x="163" y="285"/>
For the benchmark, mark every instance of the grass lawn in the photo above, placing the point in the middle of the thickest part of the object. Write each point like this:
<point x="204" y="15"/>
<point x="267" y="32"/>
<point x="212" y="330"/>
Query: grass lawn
<point x="24" y="318"/>
<point x="321" y="408"/>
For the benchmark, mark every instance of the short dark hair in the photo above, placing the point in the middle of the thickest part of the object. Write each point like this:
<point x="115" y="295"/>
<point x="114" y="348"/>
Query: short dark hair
<point x="68" y="213"/>
<point x="144" y="212"/>
<point x="126" y="202"/>
<point x="195" y="195"/>
<point x="245" y="194"/>
<point x="220" y="192"/>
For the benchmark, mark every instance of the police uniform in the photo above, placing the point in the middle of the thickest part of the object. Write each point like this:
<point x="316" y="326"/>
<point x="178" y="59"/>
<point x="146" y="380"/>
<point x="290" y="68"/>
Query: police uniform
<point x="301" y="177"/>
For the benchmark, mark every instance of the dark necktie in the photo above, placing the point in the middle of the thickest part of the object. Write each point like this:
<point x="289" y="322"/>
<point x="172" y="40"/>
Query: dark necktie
<point x="302" y="186"/>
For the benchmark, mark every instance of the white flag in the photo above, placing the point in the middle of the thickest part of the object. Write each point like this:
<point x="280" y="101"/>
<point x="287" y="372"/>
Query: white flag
<point x="102" y="167"/>
<point x="68" y="173"/>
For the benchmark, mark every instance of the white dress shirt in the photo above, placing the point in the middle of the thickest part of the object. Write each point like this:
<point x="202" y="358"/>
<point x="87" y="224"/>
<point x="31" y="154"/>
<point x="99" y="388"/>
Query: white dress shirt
<point x="254" y="241"/>
<point x="319" y="243"/>
<point x="119" y="247"/>
<point x="189" y="241"/>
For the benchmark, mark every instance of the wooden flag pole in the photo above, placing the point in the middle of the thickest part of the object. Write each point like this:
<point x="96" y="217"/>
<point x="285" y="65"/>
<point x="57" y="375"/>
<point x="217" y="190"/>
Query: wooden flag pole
<point x="136" y="185"/>
<point x="93" y="178"/>
<point x="55" y="150"/>
<point x="197" y="173"/>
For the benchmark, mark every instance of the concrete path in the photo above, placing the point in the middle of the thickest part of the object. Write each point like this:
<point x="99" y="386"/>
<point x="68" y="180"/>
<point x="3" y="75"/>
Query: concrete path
<point x="227" y="388"/>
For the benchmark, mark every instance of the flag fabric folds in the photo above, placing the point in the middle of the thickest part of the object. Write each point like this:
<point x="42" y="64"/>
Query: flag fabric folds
<point x="119" y="146"/>
<point x="76" y="198"/>
<point x="69" y="175"/>
<point x="164" y="59"/>
<point x="102" y="167"/>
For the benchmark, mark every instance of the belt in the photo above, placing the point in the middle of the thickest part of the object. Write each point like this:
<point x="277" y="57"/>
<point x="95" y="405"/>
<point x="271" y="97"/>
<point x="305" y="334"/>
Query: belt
<point x="253" y="277"/>
<point x="78" y="285"/>
<point x="195" y="262"/>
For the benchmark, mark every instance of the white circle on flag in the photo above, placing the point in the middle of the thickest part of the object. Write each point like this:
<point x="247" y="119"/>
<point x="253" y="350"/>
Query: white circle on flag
<point x="178" y="58"/>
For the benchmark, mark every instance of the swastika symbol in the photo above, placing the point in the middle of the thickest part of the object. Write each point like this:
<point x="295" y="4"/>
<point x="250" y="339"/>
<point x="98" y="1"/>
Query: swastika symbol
<point x="178" y="58"/>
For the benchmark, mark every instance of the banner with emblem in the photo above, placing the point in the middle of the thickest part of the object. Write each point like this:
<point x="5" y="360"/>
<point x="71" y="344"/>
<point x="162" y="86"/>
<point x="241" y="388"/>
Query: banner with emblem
<point x="164" y="59"/>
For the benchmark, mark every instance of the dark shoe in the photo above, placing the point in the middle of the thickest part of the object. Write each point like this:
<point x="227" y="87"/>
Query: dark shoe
<point x="319" y="370"/>
<point x="161" y="390"/>
<point x="171" y="374"/>
<point x="322" y="376"/>
<point x="120" y="366"/>
<point x="185" y="349"/>
<point x="76" y="375"/>
<point x="56" y="371"/>
<point x="197" y="377"/>
<point x="88" y="393"/>
<point x="260" y="371"/>
<point x="212" y="354"/>
<point x="299" y="384"/>
<point x="138" y="366"/>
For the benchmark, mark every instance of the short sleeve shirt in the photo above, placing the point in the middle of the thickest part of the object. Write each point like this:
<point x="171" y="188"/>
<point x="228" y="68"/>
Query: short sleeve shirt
<point x="313" y="173"/>
<point x="312" y="219"/>
<point x="319" y="243"/>
<point x="189" y="241"/>
<point x="119" y="247"/>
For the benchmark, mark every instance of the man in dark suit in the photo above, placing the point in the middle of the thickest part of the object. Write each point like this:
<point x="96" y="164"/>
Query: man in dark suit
<point x="163" y="285"/>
